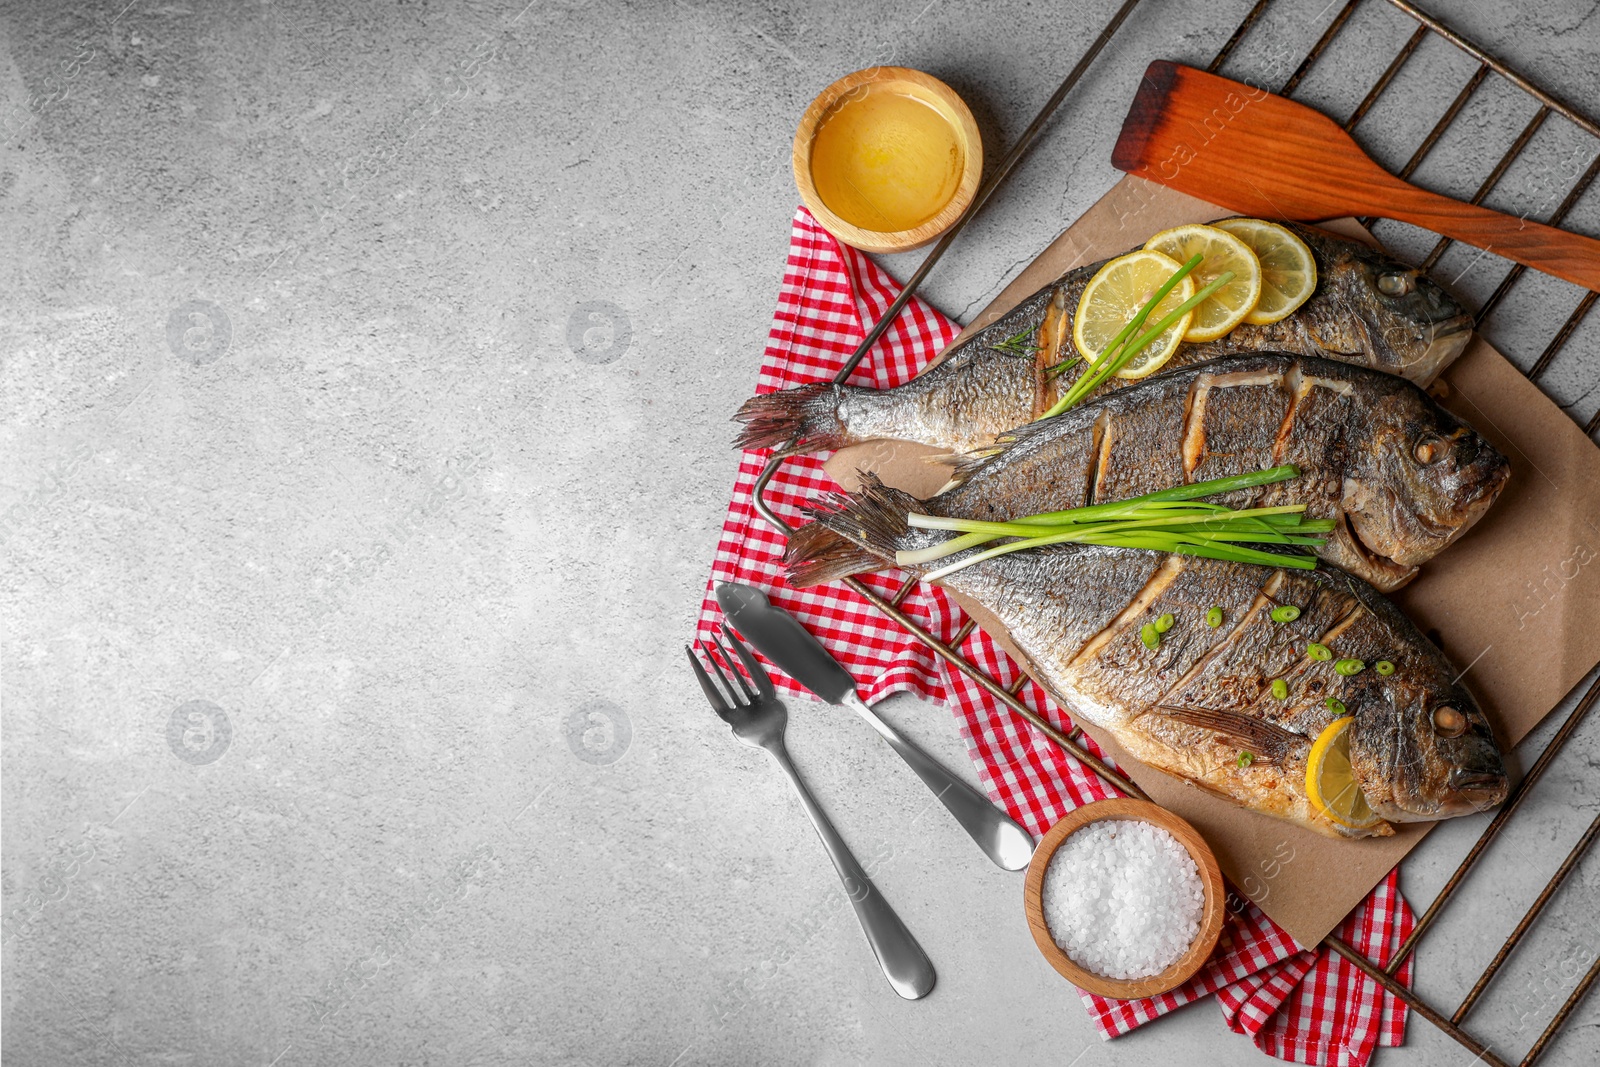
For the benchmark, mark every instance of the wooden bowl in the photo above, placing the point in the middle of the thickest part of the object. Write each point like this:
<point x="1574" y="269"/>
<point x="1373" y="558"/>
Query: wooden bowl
<point x="1205" y="939"/>
<point x="904" y="82"/>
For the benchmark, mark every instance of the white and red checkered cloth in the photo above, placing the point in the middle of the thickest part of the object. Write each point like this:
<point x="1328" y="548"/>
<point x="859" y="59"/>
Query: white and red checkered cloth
<point x="1302" y="1005"/>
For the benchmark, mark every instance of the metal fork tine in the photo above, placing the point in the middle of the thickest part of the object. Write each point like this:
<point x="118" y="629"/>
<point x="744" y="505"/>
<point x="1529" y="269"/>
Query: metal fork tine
<point x="727" y="657"/>
<point x="719" y="703"/>
<point x="737" y="695"/>
<point x="759" y="673"/>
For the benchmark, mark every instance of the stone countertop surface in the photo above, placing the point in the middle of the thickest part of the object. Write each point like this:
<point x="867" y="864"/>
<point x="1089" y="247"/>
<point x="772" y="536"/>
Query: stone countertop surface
<point x="367" y="376"/>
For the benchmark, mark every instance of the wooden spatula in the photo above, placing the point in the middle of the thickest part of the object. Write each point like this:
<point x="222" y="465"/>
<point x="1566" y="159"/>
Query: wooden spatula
<point x="1260" y="154"/>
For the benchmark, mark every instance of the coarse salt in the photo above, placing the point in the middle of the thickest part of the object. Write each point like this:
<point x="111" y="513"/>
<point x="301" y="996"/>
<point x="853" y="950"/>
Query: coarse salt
<point x="1123" y="898"/>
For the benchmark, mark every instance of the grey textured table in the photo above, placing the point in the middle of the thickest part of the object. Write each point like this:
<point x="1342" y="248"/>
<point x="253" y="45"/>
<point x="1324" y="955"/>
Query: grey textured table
<point x="348" y="560"/>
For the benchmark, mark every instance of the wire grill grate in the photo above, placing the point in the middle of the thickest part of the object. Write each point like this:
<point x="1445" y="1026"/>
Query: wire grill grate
<point x="1427" y="26"/>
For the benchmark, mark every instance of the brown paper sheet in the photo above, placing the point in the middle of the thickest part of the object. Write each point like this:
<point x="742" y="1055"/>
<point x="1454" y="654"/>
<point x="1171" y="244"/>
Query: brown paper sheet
<point x="1516" y="603"/>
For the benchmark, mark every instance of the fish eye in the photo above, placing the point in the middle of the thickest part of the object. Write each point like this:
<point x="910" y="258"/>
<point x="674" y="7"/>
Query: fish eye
<point x="1395" y="283"/>
<point x="1448" y="721"/>
<point x="1430" y="449"/>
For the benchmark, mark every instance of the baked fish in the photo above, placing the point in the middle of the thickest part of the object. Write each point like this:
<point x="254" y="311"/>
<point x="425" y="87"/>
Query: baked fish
<point x="1368" y="309"/>
<point x="1401" y="476"/>
<point x="1420" y="748"/>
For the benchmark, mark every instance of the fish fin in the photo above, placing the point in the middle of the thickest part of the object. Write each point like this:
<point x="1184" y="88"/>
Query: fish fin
<point x="1261" y="738"/>
<point x="945" y="459"/>
<point x="791" y="421"/>
<point x="966" y="464"/>
<point x="951" y="460"/>
<point x="817" y="554"/>
<point x="872" y="519"/>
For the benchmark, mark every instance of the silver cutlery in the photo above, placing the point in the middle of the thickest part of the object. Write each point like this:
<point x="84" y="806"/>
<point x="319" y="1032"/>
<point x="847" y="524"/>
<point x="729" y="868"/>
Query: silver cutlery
<point x="780" y="637"/>
<point x="758" y="719"/>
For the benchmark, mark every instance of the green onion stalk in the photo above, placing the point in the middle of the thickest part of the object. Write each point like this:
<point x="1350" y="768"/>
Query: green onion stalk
<point x="1114" y="358"/>
<point x="1169" y="520"/>
<point x="1138" y="319"/>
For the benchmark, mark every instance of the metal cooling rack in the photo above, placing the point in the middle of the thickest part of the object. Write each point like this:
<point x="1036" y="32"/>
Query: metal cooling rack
<point x="1071" y="741"/>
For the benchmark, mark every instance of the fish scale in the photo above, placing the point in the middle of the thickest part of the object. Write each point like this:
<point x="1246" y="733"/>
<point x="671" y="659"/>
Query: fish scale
<point x="995" y="380"/>
<point x="1239" y="676"/>
<point x="1074" y="614"/>
<point x="1229" y="427"/>
<point x="1333" y="421"/>
<point x="1242" y="660"/>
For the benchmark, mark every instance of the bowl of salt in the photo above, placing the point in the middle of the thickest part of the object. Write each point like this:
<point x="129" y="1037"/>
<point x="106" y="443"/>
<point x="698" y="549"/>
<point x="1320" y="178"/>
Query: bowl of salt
<point x="1124" y="898"/>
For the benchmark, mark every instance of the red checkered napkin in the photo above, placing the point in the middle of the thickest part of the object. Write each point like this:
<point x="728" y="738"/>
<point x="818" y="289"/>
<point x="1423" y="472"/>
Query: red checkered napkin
<point x="1314" y="1007"/>
<point x="1308" y="1006"/>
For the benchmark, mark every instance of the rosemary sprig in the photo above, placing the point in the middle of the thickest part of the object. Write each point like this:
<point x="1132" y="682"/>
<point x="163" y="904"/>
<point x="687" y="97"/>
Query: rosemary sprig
<point x="1020" y="343"/>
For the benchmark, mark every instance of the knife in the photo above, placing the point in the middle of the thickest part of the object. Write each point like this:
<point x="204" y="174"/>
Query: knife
<point x="780" y="637"/>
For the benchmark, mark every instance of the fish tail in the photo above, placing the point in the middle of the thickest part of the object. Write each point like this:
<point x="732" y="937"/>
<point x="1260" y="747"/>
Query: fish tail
<point x="816" y="555"/>
<point x="794" y="420"/>
<point x="859" y="532"/>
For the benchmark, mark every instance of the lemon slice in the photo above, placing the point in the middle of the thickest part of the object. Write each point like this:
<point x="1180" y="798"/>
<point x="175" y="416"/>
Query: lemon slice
<point x="1115" y="295"/>
<point x="1288" y="270"/>
<point x="1228" y="306"/>
<point x="1330" y="782"/>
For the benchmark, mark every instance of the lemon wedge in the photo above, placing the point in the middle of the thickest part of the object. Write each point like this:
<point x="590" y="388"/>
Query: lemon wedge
<point x="1116" y="294"/>
<point x="1222" y="251"/>
<point x="1288" y="270"/>
<point x="1330" y="782"/>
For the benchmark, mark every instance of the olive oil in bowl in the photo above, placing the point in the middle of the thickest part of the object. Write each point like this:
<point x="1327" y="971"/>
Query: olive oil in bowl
<point x="885" y="161"/>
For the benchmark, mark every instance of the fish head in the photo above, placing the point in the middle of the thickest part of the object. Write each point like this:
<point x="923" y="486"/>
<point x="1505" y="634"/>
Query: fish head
<point x="1390" y="315"/>
<point x="1416" y="480"/>
<point x="1421" y="749"/>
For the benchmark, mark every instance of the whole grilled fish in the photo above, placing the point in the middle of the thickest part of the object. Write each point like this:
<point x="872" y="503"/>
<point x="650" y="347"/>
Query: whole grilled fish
<point x="1401" y="476"/>
<point x="1420" y="748"/>
<point x="1367" y="309"/>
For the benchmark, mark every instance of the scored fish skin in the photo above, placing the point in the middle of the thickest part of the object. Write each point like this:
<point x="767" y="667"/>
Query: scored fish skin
<point x="1352" y="432"/>
<point x="974" y="391"/>
<point x="1074" y="612"/>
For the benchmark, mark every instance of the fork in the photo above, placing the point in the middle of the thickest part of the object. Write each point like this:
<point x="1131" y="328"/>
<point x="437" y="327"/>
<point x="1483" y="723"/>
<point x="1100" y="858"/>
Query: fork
<point x="758" y="719"/>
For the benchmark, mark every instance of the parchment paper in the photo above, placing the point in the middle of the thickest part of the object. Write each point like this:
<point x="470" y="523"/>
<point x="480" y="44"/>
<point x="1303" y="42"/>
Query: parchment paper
<point x="1515" y="603"/>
